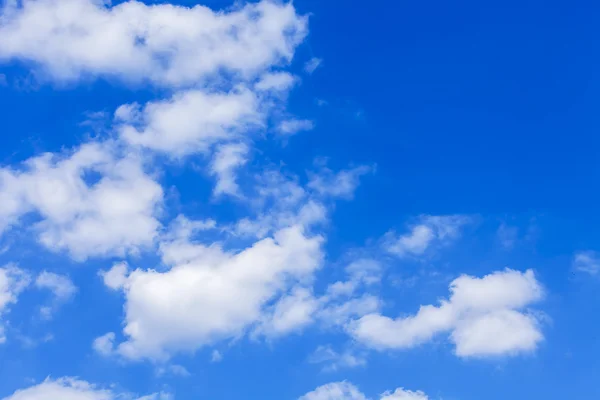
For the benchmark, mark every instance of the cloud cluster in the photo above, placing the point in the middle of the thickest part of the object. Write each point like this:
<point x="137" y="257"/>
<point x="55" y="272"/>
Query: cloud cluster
<point x="484" y="316"/>
<point x="92" y="202"/>
<point x="164" y="44"/>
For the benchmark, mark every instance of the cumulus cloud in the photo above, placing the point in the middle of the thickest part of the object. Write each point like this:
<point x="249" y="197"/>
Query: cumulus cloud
<point x="484" y="316"/>
<point x="429" y="231"/>
<point x="13" y="281"/>
<point x="161" y="43"/>
<point x="92" y="202"/>
<point x="587" y="261"/>
<point x="212" y="294"/>
<point x="347" y="391"/>
<point x="190" y="121"/>
<point x="74" y="389"/>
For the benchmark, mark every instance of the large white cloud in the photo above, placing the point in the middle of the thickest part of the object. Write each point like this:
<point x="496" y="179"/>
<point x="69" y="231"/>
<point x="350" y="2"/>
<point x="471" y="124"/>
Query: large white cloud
<point x="162" y="43"/>
<point x="206" y="293"/>
<point x="211" y="294"/>
<point x="347" y="391"/>
<point x="484" y="316"/>
<point x="93" y="202"/>
<point x="76" y="389"/>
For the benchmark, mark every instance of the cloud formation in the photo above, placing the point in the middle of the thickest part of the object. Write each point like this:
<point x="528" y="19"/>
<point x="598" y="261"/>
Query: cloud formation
<point x="91" y="202"/>
<point x="163" y="44"/>
<point x="484" y="316"/>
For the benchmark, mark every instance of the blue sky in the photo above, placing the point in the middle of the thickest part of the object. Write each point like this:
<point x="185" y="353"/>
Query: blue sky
<point x="312" y="201"/>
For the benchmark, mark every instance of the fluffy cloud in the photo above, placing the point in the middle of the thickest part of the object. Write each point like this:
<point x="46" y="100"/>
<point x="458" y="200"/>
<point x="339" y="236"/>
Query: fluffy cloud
<point x="429" y="231"/>
<point x="211" y="294"/>
<point x="587" y="261"/>
<point x="75" y="389"/>
<point x="347" y="391"/>
<point x="162" y="43"/>
<point x="190" y="121"/>
<point x="484" y="316"/>
<point x="13" y="281"/>
<point x="402" y="394"/>
<point x="335" y="391"/>
<point x="92" y="202"/>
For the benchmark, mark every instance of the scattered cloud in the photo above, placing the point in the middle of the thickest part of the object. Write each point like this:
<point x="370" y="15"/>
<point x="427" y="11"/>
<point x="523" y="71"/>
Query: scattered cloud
<point x="13" y="281"/>
<point x="312" y="65"/>
<point x="333" y="361"/>
<point x="587" y="261"/>
<point x="484" y="317"/>
<point x="341" y="184"/>
<point x="292" y="126"/>
<point x="62" y="289"/>
<point x="430" y="231"/>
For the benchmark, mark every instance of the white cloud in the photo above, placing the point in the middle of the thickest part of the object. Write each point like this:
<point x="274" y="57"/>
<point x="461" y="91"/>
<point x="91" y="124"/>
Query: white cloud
<point x="173" y="369"/>
<point x="333" y="361"/>
<point x="104" y="345"/>
<point x="293" y="126"/>
<point x="347" y="391"/>
<point x="402" y="394"/>
<point x="165" y="44"/>
<point x="312" y="65"/>
<point x="275" y="81"/>
<point x="190" y="121"/>
<point x="337" y="184"/>
<point x="484" y="317"/>
<point x="61" y="287"/>
<point x="429" y="231"/>
<point x="335" y="391"/>
<point x="90" y="203"/>
<point x="213" y="294"/>
<point x="75" y="389"/>
<point x="587" y="261"/>
<point x="226" y="161"/>
<point x="13" y="281"/>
